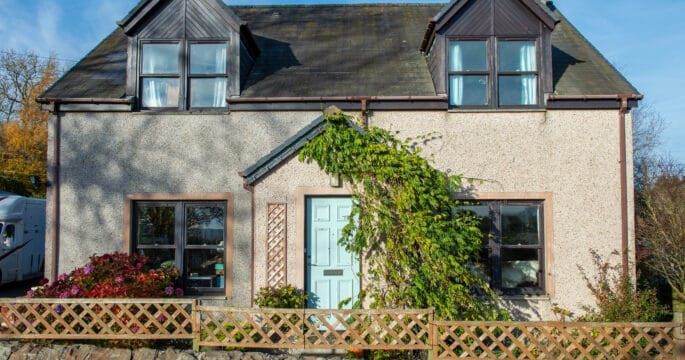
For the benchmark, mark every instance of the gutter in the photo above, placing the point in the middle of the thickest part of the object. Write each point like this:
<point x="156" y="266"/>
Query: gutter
<point x="617" y="97"/>
<point x="127" y="100"/>
<point x="281" y="99"/>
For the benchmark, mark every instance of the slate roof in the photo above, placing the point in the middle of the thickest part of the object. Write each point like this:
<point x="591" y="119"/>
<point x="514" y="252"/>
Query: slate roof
<point x="343" y="50"/>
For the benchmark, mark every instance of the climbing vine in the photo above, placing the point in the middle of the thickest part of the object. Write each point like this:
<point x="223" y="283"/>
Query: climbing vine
<point x="418" y="249"/>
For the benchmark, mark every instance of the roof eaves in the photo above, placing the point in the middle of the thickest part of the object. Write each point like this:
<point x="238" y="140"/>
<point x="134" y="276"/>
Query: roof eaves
<point x="289" y="147"/>
<point x="274" y="158"/>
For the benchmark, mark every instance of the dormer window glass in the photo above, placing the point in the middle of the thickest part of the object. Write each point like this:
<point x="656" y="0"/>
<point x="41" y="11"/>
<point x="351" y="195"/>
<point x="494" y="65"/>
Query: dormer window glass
<point x="160" y="75"/>
<point x="468" y="73"/>
<point x="492" y="72"/>
<point x="183" y="75"/>
<point x="207" y="75"/>
<point x="517" y="77"/>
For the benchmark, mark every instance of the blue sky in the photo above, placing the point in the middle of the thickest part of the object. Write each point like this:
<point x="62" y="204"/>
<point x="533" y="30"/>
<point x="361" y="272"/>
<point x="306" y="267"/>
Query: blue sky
<point x="643" y="39"/>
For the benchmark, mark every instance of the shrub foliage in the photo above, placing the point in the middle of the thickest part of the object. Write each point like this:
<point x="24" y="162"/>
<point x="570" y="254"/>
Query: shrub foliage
<point x="115" y="275"/>
<point x="283" y="297"/>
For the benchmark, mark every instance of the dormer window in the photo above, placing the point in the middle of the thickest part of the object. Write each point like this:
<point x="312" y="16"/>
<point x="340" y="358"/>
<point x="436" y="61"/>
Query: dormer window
<point x="183" y="75"/>
<point x="492" y="72"/>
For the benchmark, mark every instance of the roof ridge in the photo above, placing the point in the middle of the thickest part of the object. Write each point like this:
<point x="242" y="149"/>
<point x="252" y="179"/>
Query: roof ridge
<point x="338" y="5"/>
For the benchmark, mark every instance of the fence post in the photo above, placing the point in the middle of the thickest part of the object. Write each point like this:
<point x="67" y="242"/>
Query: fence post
<point x="195" y="320"/>
<point x="433" y="336"/>
<point x="679" y="335"/>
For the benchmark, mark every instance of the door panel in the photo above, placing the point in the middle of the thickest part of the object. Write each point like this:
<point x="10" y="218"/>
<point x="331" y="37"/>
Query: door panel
<point x="332" y="271"/>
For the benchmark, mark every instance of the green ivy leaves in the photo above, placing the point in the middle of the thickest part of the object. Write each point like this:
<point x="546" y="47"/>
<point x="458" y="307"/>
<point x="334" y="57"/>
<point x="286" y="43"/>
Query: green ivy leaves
<point x="404" y="223"/>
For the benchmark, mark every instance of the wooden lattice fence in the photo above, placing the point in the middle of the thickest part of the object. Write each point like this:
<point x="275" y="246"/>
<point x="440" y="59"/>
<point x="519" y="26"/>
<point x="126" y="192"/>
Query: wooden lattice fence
<point x="114" y="319"/>
<point x="313" y="329"/>
<point x="557" y="340"/>
<point x="168" y="319"/>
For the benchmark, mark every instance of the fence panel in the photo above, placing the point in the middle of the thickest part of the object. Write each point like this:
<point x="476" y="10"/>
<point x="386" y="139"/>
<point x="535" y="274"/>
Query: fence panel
<point x="555" y="340"/>
<point x="166" y="319"/>
<point x="312" y="329"/>
<point x="116" y="319"/>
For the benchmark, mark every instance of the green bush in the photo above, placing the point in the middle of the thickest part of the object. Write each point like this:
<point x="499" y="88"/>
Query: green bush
<point x="283" y="297"/>
<point x="617" y="297"/>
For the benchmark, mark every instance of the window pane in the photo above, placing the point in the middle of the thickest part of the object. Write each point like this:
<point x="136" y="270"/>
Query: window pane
<point x="517" y="56"/>
<point x="160" y="58"/>
<point x="482" y="268"/>
<point x="205" y="225"/>
<point x="205" y="268"/>
<point x="518" y="89"/>
<point x="155" y="225"/>
<point x="520" y="224"/>
<point x="160" y="257"/>
<point x="160" y="92"/>
<point x="208" y="58"/>
<point x="483" y="213"/>
<point x="468" y="56"/>
<point x="520" y="268"/>
<point x="469" y="90"/>
<point x="208" y="93"/>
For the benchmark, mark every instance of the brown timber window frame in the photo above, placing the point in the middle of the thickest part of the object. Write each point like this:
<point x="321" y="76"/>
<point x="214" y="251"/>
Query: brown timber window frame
<point x="167" y="75"/>
<point x="493" y="265"/>
<point x="184" y="247"/>
<point x="479" y="76"/>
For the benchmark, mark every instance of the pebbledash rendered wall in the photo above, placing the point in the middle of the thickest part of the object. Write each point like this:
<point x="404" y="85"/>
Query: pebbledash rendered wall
<point x="569" y="157"/>
<point x="572" y="156"/>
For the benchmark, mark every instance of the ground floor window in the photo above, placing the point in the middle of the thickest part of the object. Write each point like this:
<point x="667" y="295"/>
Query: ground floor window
<point x="512" y="253"/>
<point x="189" y="235"/>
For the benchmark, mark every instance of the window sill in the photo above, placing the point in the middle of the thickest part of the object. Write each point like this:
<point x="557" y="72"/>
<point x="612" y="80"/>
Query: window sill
<point x="497" y="110"/>
<point x="182" y="112"/>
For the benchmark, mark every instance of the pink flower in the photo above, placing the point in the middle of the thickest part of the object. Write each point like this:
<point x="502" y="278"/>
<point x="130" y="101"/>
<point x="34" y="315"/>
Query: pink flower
<point x="88" y="269"/>
<point x="179" y="292"/>
<point x="75" y="290"/>
<point x="119" y="279"/>
<point x="64" y="295"/>
<point x="30" y="293"/>
<point x="135" y="329"/>
<point x="139" y="265"/>
<point x="62" y="277"/>
<point x="161" y="318"/>
<point x="169" y="290"/>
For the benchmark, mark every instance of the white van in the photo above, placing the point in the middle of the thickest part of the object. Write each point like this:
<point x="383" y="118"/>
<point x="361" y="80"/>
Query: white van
<point x="22" y="237"/>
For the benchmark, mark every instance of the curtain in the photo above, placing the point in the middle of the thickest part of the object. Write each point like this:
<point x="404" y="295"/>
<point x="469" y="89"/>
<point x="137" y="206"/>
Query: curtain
<point x="220" y="61"/>
<point x="219" y="93"/>
<point x="528" y="82"/>
<point x="456" y="90"/>
<point x="152" y="95"/>
<point x="456" y="81"/>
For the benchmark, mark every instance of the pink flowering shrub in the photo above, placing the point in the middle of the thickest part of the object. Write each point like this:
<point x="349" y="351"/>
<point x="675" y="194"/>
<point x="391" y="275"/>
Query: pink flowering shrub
<point x="115" y="275"/>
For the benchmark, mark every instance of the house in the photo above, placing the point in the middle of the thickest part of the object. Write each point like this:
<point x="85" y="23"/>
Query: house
<point x="176" y="137"/>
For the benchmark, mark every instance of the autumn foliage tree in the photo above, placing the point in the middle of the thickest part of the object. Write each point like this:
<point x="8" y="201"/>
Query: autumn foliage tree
<point x="23" y="131"/>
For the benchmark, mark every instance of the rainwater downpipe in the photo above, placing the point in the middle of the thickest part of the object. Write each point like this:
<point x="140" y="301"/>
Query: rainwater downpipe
<point x="250" y="188"/>
<point x="54" y="188"/>
<point x="624" y="184"/>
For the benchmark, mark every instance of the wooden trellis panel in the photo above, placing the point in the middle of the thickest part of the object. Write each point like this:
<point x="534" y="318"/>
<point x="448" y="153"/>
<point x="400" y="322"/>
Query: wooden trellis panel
<point x="555" y="340"/>
<point x="96" y="319"/>
<point x="276" y="243"/>
<point x="312" y="329"/>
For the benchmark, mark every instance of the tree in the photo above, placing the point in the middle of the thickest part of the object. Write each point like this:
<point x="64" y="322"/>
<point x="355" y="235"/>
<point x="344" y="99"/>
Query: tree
<point x="661" y="226"/>
<point x="23" y="132"/>
<point x="419" y="250"/>
<point x="648" y="126"/>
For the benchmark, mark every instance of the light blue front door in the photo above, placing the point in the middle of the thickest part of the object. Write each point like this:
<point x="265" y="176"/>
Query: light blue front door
<point x="332" y="271"/>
